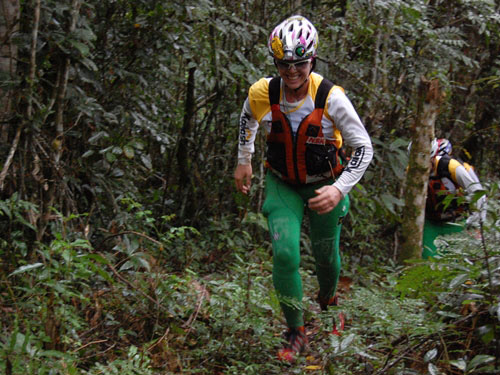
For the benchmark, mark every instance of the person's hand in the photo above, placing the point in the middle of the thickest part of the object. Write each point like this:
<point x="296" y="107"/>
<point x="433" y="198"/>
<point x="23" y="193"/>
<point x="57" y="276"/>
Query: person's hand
<point x="327" y="198"/>
<point x="243" y="177"/>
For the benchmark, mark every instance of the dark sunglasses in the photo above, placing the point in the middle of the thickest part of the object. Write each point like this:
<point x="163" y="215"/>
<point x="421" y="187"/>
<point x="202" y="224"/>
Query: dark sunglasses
<point x="285" y="65"/>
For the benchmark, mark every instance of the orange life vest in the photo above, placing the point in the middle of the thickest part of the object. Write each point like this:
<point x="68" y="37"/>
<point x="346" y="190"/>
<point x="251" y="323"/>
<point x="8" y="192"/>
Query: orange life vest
<point x="308" y="153"/>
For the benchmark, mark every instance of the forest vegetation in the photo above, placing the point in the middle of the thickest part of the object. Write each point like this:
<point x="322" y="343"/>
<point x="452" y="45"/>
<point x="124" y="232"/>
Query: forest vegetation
<point x="124" y="247"/>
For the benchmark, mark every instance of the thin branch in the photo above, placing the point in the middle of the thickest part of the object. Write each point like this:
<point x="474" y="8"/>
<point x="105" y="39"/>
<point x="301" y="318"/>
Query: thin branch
<point x="88" y="344"/>
<point x="401" y="356"/>
<point x="32" y="71"/>
<point x="491" y="292"/>
<point x="194" y="315"/>
<point x="133" y="232"/>
<point x="75" y="9"/>
<point x="160" y="339"/>
<point x="12" y="151"/>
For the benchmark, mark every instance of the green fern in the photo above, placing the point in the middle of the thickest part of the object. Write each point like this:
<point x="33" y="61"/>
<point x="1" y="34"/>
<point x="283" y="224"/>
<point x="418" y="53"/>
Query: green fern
<point x="424" y="280"/>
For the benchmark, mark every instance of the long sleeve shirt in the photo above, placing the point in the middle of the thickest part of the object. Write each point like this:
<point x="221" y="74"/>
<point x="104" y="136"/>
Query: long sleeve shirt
<point x="340" y="122"/>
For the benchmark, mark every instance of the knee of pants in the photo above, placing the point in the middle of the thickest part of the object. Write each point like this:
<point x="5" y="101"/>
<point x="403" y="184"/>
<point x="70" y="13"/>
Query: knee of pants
<point x="286" y="259"/>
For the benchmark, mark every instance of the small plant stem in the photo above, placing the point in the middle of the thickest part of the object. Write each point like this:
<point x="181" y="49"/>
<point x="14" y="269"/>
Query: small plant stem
<point x="491" y="294"/>
<point x="446" y="355"/>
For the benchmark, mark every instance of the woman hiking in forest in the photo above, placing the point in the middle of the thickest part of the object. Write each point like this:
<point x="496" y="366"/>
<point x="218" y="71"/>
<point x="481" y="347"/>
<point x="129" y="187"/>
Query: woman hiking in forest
<point x="449" y="175"/>
<point x="307" y="120"/>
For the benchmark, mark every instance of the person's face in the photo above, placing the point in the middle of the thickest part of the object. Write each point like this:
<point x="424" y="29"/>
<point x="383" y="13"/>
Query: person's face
<point x="294" y="73"/>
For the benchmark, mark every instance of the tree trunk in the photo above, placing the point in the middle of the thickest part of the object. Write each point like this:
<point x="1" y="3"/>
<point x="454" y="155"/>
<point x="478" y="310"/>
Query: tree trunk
<point x="183" y="161"/>
<point x="9" y="25"/>
<point x="63" y="85"/>
<point x="429" y="98"/>
<point x="54" y="192"/>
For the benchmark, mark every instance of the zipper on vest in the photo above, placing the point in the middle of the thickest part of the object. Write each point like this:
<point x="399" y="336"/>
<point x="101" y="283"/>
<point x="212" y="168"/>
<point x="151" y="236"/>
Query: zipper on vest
<point x="294" y="152"/>
<point x="294" y="148"/>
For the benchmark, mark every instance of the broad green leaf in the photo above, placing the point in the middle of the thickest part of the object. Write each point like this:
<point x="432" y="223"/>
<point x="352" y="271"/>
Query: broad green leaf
<point x="55" y="354"/>
<point x="146" y="160"/>
<point x="26" y="268"/>
<point x="347" y="341"/>
<point x="88" y="154"/>
<point x="479" y="360"/>
<point x="486" y="333"/>
<point x="139" y="260"/>
<point x="237" y="69"/>
<point x="390" y="202"/>
<point x="430" y="355"/>
<point x="89" y="64"/>
<point x="459" y="280"/>
<point x="127" y="265"/>
<point x="82" y="48"/>
<point x="98" y="258"/>
<point x="117" y="150"/>
<point x="433" y="369"/>
<point x="97" y="136"/>
<point x="117" y="173"/>
<point x="128" y="151"/>
<point x="110" y="157"/>
<point x="5" y="209"/>
<point x="459" y="363"/>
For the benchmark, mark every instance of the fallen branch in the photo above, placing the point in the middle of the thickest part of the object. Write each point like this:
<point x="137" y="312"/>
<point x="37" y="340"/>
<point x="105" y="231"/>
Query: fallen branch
<point x="88" y="344"/>
<point x="132" y="232"/>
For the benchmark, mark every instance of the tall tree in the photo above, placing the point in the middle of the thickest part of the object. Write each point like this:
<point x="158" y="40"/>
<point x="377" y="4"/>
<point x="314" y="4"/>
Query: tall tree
<point x="9" y="25"/>
<point x="429" y="99"/>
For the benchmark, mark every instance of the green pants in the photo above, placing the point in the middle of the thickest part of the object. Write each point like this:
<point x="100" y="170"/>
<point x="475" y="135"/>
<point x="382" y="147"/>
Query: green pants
<point x="284" y="208"/>
<point x="432" y="229"/>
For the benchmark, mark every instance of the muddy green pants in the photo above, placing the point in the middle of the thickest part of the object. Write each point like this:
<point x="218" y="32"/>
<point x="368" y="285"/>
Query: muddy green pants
<point x="284" y="208"/>
<point x="432" y="229"/>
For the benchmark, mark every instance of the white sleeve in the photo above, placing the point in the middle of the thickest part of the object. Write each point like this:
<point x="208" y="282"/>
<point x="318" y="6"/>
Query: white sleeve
<point x="354" y="135"/>
<point x="248" y="130"/>
<point x="466" y="181"/>
<point x="471" y="184"/>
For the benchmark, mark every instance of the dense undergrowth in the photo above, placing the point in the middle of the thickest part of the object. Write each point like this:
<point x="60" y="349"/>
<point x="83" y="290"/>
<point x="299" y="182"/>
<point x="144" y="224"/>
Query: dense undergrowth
<point x="184" y="301"/>
<point x="124" y="248"/>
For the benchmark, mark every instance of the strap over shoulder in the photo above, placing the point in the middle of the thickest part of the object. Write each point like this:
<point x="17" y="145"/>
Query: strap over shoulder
<point x="274" y="90"/>
<point x="324" y="88"/>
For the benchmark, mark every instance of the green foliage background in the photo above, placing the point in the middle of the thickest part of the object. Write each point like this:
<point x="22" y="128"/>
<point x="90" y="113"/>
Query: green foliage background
<point x="124" y="247"/>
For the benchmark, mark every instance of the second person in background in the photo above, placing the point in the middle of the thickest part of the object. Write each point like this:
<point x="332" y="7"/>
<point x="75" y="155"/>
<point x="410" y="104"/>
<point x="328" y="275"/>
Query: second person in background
<point x="307" y="120"/>
<point x="449" y="176"/>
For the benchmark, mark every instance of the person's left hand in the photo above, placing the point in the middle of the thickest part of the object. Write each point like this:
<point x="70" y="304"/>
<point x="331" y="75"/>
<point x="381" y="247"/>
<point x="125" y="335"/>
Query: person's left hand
<point x="327" y="198"/>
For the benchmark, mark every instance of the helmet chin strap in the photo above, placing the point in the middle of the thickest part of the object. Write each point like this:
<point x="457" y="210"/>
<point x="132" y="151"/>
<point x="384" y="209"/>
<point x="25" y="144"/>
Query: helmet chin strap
<point x="302" y="84"/>
<point x="307" y="78"/>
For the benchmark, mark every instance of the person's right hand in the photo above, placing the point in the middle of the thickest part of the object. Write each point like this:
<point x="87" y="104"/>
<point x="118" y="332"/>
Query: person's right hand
<point x="243" y="177"/>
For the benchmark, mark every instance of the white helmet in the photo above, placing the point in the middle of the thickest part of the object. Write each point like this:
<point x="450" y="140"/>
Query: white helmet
<point x="293" y="39"/>
<point x="440" y="147"/>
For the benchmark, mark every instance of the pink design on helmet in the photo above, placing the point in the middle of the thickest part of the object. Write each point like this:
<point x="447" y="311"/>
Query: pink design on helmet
<point x="293" y="32"/>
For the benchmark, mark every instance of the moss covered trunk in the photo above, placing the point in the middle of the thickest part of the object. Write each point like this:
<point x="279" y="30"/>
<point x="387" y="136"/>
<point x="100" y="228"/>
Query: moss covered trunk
<point x="417" y="176"/>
